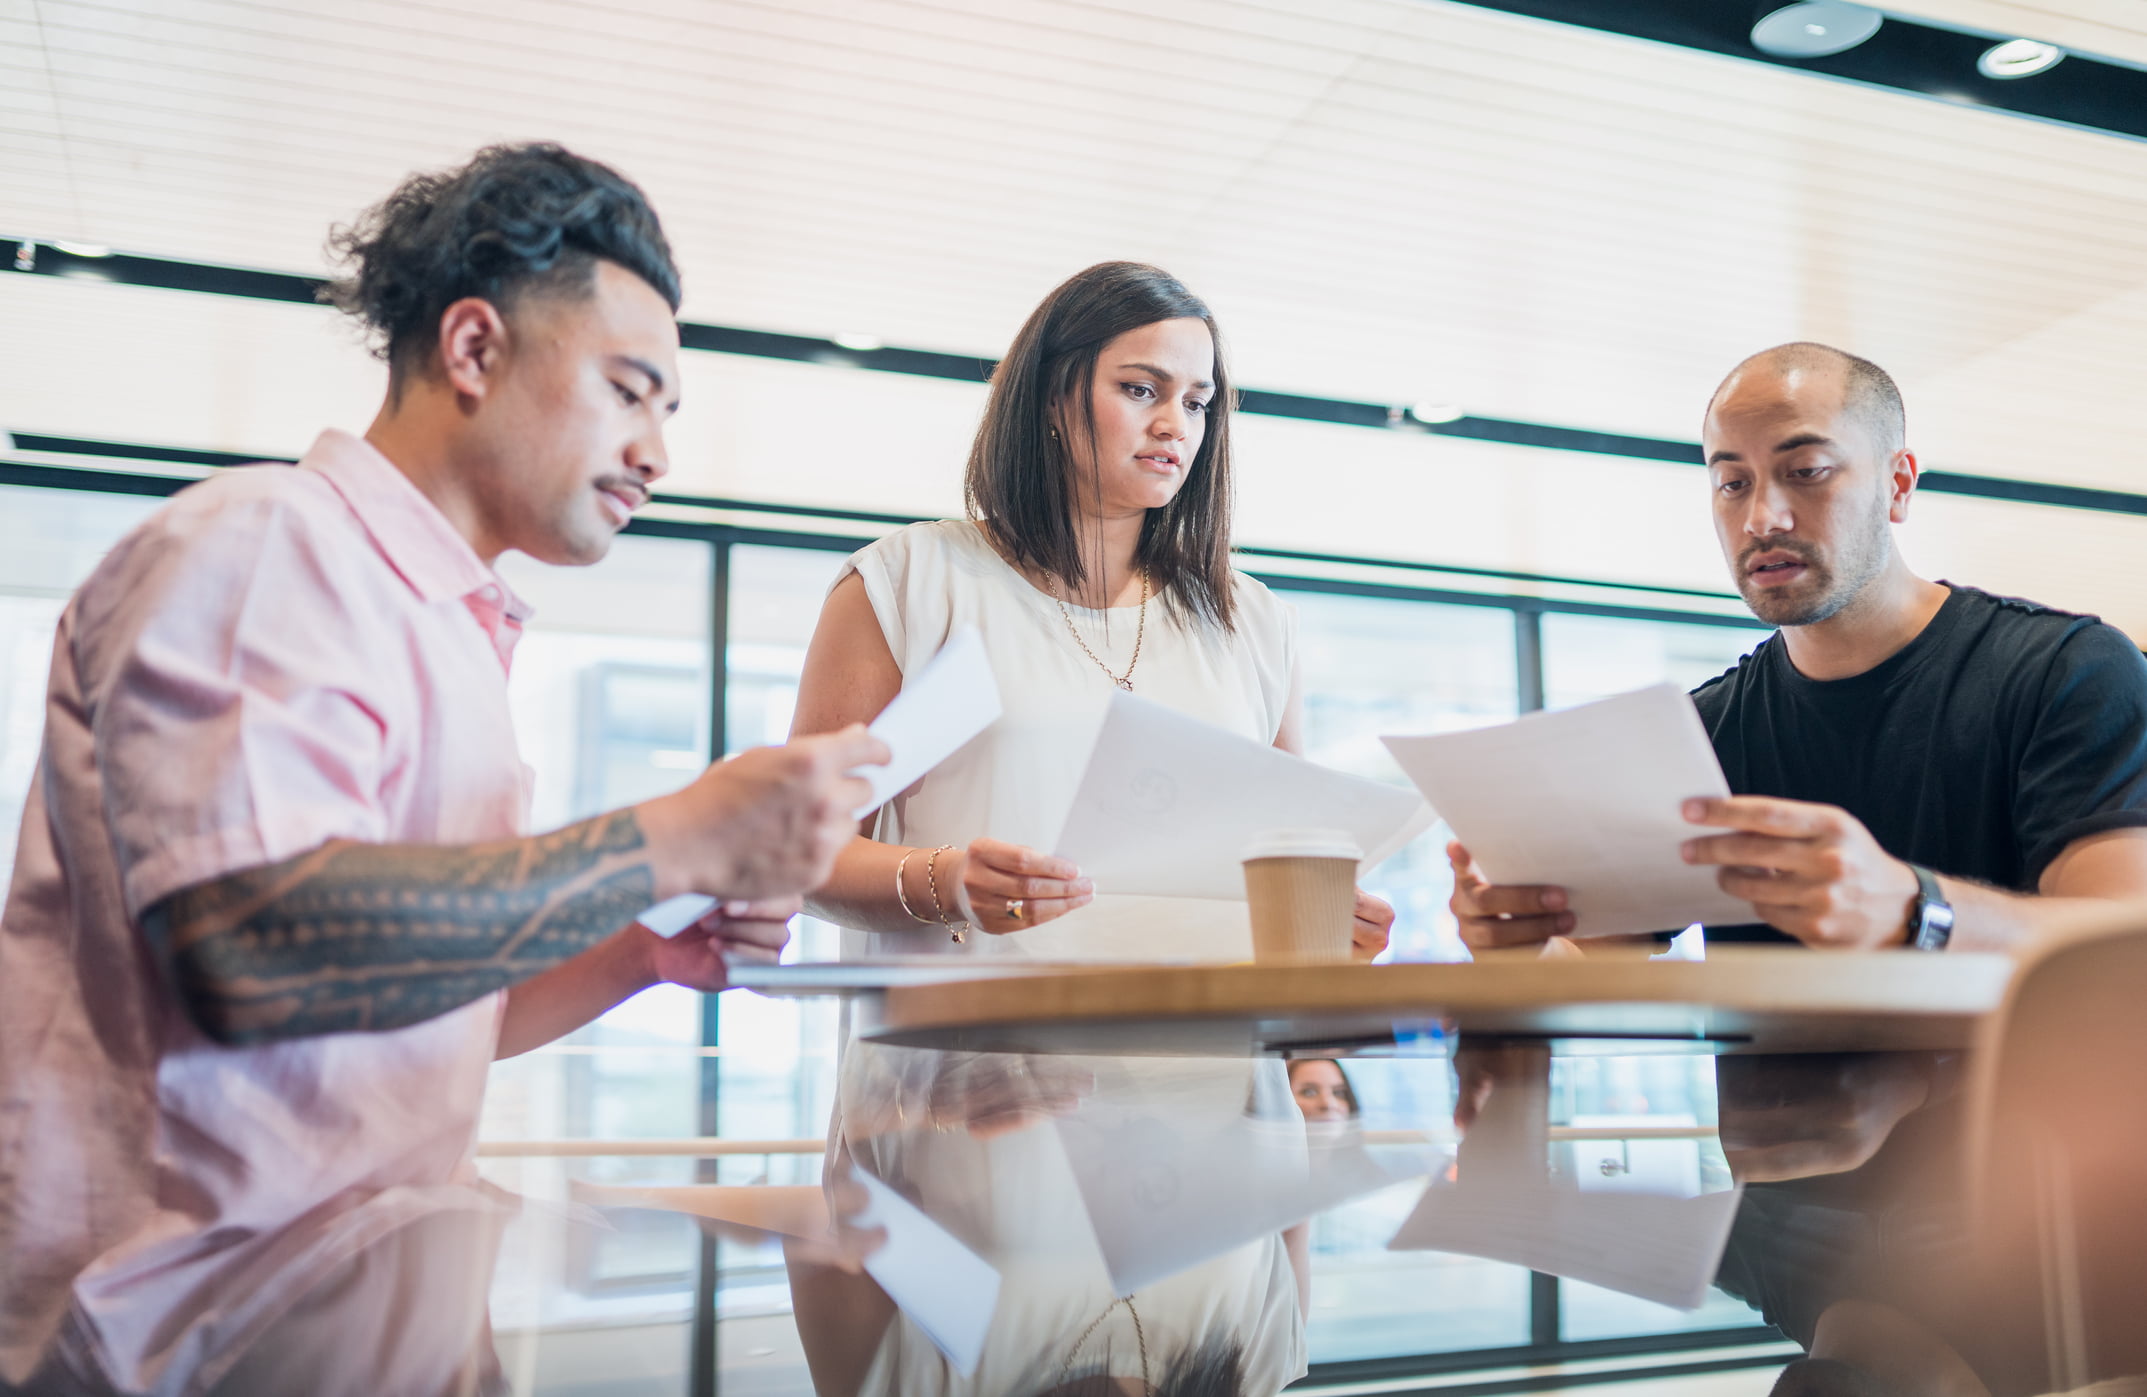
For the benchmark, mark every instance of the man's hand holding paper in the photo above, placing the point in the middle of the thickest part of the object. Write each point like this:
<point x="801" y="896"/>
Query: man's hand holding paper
<point x="1572" y="823"/>
<point x="1811" y="870"/>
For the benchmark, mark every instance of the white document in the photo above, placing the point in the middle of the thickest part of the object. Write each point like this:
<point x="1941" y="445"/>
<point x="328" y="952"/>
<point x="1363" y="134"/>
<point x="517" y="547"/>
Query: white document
<point x="948" y="702"/>
<point x="946" y="1289"/>
<point x="673" y="915"/>
<point x="1589" y="799"/>
<point x="1169" y="803"/>
<point x="1659" y="1248"/>
<point x="940" y="708"/>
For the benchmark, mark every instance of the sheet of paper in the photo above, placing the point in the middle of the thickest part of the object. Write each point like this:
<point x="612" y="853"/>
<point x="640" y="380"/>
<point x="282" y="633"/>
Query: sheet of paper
<point x="1660" y="1248"/>
<point x="1172" y="1178"/>
<point x="1587" y="798"/>
<point x="940" y="708"/>
<point x="1169" y="803"/>
<point x="943" y="706"/>
<point x="946" y="1289"/>
<point x="673" y="915"/>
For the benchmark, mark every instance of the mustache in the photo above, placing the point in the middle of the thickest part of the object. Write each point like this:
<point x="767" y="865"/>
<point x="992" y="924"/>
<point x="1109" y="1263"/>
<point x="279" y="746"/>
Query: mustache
<point x="1794" y="549"/>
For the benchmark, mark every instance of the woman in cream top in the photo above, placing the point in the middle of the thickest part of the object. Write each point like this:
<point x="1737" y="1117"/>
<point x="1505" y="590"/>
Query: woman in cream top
<point x="1095" y="557"/>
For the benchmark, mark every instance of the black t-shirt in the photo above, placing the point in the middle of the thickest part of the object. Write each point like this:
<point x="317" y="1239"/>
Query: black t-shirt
<point x="1994" y="739"/>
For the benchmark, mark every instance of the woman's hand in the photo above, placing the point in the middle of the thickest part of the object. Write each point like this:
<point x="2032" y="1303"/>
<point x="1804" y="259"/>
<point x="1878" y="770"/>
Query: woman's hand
<point x="1005" y="887"/>
<point x="1375" y="922"/>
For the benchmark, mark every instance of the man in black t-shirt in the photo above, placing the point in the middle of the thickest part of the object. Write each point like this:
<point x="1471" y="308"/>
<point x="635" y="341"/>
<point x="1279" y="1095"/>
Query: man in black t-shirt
<point x="1901" y="750"/>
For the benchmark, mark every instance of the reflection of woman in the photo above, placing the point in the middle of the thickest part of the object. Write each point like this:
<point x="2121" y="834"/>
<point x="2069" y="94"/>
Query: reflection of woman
<point x="1095" y="558"/>
<point x="1322" y="1090"/>
<point x="967" y="1138"/>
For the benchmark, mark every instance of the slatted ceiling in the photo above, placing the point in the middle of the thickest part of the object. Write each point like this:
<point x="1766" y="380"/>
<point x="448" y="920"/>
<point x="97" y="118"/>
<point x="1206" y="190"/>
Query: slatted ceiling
<point x="2110" y="28"/>
<point x="2043" y="399"/>
<point x="1388" y="199"/>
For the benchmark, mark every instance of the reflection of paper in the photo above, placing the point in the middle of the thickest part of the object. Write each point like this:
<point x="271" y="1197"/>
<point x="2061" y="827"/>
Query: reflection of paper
<point x="1588" y="799"/>
<point x="941" y="707"/>
<point x="1168" y="804"/>
<point x="1659" y="1248"/>
<point x="1168" y="1185"/>
<point x="948" y="702"/>
<point x="947" y="1290"/>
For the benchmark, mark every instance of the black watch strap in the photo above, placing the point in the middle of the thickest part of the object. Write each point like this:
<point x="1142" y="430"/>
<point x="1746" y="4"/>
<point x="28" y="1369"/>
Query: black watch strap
<point x="1930" y="917"/>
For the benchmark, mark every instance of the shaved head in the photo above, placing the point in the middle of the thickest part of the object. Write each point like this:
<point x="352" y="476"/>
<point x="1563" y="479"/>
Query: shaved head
<point x="1869" y="394"/>
<point x="1806" y="446"/>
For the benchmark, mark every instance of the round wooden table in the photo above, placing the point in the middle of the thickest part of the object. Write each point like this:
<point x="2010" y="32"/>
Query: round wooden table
<point x="1738" y="1000"/>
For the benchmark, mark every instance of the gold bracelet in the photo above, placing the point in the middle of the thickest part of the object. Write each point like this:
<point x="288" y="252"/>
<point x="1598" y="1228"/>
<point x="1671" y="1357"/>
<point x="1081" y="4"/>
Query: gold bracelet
<point x="903" y="897"/>
<point x="956" y="926"/>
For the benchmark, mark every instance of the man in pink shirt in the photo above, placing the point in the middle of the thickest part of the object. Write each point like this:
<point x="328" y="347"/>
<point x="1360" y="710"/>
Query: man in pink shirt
<point x="274" y="908"/>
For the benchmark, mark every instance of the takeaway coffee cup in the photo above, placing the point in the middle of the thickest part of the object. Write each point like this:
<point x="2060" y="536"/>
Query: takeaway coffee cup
<point x="1302" y="886"/>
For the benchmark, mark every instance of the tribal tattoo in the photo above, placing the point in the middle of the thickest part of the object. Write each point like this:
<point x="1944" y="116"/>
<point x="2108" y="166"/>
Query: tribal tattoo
<point x="376" y="936"/>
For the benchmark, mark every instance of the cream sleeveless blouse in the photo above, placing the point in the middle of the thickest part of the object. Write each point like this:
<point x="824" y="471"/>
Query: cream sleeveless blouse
<point x="1016" y="780"/>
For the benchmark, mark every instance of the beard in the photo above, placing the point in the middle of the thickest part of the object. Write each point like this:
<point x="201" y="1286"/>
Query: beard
<point x="1828" y="586"/>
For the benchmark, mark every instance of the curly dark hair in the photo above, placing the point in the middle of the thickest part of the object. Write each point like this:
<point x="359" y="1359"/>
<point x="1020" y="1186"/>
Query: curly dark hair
<point x="516" y="219"/>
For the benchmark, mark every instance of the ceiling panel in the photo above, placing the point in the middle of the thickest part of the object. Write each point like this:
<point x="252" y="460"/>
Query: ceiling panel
<point x="1389" y="200"/>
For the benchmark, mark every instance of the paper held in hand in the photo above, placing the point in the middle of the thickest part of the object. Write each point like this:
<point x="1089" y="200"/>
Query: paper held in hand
<point x="948" y="702"/>
<point x="1588" y="799"/>
<point x="1169" y="803"/>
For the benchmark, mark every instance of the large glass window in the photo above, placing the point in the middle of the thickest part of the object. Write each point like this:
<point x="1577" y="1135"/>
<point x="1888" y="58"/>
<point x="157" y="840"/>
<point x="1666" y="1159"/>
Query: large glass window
<point x="778" y="1055"/>
<point x="1374" y="666"/>
<point x="615" y="699"/>
<point x="50" y="540"/>
<point x="1592" y="657"/>
<point x="1584" y="658"/>
<point x="613" y="696"/>
<point x="1378" y="666"/>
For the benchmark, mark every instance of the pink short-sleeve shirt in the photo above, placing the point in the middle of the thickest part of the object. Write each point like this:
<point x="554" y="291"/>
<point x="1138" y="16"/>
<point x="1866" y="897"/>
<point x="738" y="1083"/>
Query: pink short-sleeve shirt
<point x="277" y="658"/>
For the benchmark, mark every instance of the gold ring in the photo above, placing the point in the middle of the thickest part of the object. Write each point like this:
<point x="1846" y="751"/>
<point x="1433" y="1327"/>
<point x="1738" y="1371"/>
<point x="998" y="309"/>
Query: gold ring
<point x="1014" y="910"/>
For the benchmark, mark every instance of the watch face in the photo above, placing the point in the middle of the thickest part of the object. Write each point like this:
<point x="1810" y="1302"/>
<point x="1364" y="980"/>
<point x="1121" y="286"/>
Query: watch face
<point x="1934" y="926"/>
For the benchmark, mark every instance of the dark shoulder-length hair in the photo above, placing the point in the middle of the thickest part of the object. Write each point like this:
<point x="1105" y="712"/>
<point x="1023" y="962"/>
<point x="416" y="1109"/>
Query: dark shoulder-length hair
<point x="1020" y="484"/>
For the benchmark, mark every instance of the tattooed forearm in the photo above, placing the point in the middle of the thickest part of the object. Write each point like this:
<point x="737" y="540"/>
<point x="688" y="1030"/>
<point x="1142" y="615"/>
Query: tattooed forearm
<point x="374" y="936"/>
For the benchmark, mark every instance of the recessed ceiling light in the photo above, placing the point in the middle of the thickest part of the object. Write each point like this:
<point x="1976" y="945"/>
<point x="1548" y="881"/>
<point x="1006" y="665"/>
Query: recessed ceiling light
<point x="1432" y="414"/>
<point x="862" y="344"/>
<point x="83" y="249"/>
<point x="1815" y="29"/>
<point x="2018" y="58"/>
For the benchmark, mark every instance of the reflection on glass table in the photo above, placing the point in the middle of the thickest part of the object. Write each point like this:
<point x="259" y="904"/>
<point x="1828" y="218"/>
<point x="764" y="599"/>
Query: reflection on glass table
<point x="1083" y="1182"/>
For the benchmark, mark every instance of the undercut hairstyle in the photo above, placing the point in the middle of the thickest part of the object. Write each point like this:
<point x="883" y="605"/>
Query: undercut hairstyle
<point x="517" y="220"/>
<point x="1021" y="485"/>
<point x="1869" y="392"/>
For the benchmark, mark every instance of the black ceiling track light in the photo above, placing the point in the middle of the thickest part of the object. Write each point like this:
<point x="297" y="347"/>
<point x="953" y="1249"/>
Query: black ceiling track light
<point x="1864" y="44"/>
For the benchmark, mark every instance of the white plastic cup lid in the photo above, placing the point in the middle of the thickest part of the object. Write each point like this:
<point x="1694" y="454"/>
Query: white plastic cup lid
<point x="1304" y="844"/>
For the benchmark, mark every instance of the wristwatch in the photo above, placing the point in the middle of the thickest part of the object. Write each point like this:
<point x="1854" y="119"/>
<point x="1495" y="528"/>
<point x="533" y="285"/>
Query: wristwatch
<point x="1930" y="917"/>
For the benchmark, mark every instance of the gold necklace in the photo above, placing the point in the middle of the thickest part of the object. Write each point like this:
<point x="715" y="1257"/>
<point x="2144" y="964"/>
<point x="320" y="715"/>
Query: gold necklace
<point x="1139" y="1334"/>
<point x="1140" y="629"/>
